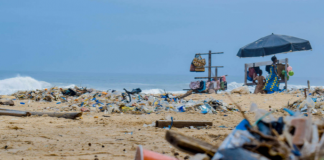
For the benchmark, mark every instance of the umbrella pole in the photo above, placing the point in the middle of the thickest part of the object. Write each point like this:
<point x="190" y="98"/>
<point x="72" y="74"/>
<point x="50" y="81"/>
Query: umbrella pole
<point x="245" y="74"/>
<point x="286" y="66"/>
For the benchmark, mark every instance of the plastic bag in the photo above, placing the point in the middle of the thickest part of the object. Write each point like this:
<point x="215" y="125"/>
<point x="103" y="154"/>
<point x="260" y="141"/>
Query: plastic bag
<point x="260" y="112"/>
<point x="237" y="138"/>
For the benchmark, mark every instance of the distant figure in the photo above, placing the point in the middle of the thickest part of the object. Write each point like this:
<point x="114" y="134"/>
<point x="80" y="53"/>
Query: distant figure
<point x="260" y="84"/>
<point x="272" y="82"/>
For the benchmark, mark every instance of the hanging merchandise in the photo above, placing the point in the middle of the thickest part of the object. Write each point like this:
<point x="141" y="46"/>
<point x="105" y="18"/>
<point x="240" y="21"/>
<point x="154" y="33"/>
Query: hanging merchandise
<point x="225" y="85"/>
<point x="202" y="87"/>
<point x="194" y="85"/>
<point x="192" y="67"/>
<point x="199" y="63"/>
<point x="222" y="85"/>
<point x="252" y="73"/>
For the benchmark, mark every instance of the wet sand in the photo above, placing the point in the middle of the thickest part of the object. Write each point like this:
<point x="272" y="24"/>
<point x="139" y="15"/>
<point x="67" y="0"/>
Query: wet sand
<point x="110" y="137"/>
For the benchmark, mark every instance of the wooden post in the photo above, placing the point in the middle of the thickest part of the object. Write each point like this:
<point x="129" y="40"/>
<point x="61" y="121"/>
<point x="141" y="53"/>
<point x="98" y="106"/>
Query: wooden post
<point x="245" y="74"/>
<point x="209" y="65"/>
<point x="216" y="77"/>
<point x="286" y="66"/>
<point x="308" y="85"/>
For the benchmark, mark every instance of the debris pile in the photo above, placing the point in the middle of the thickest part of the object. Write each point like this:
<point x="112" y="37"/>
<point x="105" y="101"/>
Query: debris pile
<point x="112" y="101"/>
<point x="297" y="136"/>
<point x="314" y="103"/>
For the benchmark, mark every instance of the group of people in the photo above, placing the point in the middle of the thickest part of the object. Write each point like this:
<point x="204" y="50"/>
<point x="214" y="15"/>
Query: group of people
<point x="271" y="84"/>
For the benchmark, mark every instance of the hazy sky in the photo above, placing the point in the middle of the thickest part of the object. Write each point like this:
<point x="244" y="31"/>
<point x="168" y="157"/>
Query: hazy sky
<point x="152" y="36"/>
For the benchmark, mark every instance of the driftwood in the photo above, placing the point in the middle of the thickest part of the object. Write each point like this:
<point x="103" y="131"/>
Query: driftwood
<point x="190" y="145"/>
<point x="72" y="115"/>
<point x="181" y="124"/>
<point x="9" y="112"/>
<point x="185" y="95"/>
<point x="14" y="113"/>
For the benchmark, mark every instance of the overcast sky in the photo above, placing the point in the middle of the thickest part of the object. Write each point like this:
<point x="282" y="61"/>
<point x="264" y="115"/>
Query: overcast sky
<point x="152" y="36"/>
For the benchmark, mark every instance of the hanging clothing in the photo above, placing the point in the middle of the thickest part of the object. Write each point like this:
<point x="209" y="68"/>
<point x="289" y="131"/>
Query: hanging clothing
<point x="218" y="85"/>
<point x="194" y="85"/>
<point x="211" y="87"/>
<point x="225" y="85"/>
<point x="260" y="85"/>
<point x="248" y="77"/>
<point x="252" y="72"/>
<point x="224" y="78"/>
<point x="272" y="82"/>
<point x="202" y="87"/>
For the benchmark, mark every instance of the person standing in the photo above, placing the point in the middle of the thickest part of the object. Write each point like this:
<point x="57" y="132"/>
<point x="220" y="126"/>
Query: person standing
<point x="272" y="82"/>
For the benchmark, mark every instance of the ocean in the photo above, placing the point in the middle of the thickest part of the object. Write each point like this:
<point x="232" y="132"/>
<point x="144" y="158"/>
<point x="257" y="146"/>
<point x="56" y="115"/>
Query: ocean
<point x="12" y="81"/>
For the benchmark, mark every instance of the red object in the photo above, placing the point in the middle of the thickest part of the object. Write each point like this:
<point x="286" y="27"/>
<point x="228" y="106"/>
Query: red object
<point x="252" y="73"/>
<point x="192" y="68"/>
<point x="142" y="154"/>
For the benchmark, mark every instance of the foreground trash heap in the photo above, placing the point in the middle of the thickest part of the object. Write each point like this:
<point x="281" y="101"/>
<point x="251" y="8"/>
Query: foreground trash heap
<point x="111" y="101"/>
<point x="297" y="136"/>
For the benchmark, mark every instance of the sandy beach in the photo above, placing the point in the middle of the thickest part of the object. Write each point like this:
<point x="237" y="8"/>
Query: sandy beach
<point x="117" y="136"/>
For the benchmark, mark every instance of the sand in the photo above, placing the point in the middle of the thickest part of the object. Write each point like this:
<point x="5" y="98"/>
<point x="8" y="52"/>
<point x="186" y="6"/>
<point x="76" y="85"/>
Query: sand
<point x="110" y="137"/>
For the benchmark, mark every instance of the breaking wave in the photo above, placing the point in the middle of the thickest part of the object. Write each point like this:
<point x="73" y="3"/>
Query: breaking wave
<point x="11" y="85"/>
<point x="20" y="83"/>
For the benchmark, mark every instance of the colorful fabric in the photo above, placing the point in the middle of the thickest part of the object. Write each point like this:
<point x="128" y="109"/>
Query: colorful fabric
<point x="272" y="82"/>
<point x="224" y="78"/>
<point x="248" y="77"/>
<point x="204" y="87"/>
<point x="251" y="72"/>
<point x="194" y="85"/>
<point x="218" y="85"/>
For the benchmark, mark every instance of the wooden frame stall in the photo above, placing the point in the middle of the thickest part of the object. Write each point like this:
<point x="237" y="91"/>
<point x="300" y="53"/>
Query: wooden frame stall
<point x="258" y="64"/>
<point x="209" y="66"/>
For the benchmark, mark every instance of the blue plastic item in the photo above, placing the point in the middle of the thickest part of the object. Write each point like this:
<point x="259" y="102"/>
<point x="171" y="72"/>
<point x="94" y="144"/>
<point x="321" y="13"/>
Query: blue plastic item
<point x="58" y="103"/>
<point x="82" y="103"/>
<point x="22" y="103"/>
<point x="171" y="123"/>
<point x="290" y="112"/>
<point x="181" y="109"/>
<point x="314" y="99"/>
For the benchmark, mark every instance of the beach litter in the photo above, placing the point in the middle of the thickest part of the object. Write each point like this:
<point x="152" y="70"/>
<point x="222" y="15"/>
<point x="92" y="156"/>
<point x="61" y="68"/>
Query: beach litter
<point x="291" y="137"/>
<point x="112" y="101"/>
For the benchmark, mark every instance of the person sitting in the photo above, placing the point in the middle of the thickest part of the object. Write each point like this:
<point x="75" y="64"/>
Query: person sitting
<point x="260" y="83"/>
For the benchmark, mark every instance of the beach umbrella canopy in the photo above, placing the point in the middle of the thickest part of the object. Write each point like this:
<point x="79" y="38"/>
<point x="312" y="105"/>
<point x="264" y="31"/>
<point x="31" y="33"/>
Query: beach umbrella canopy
<point x="274" y="44"/>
